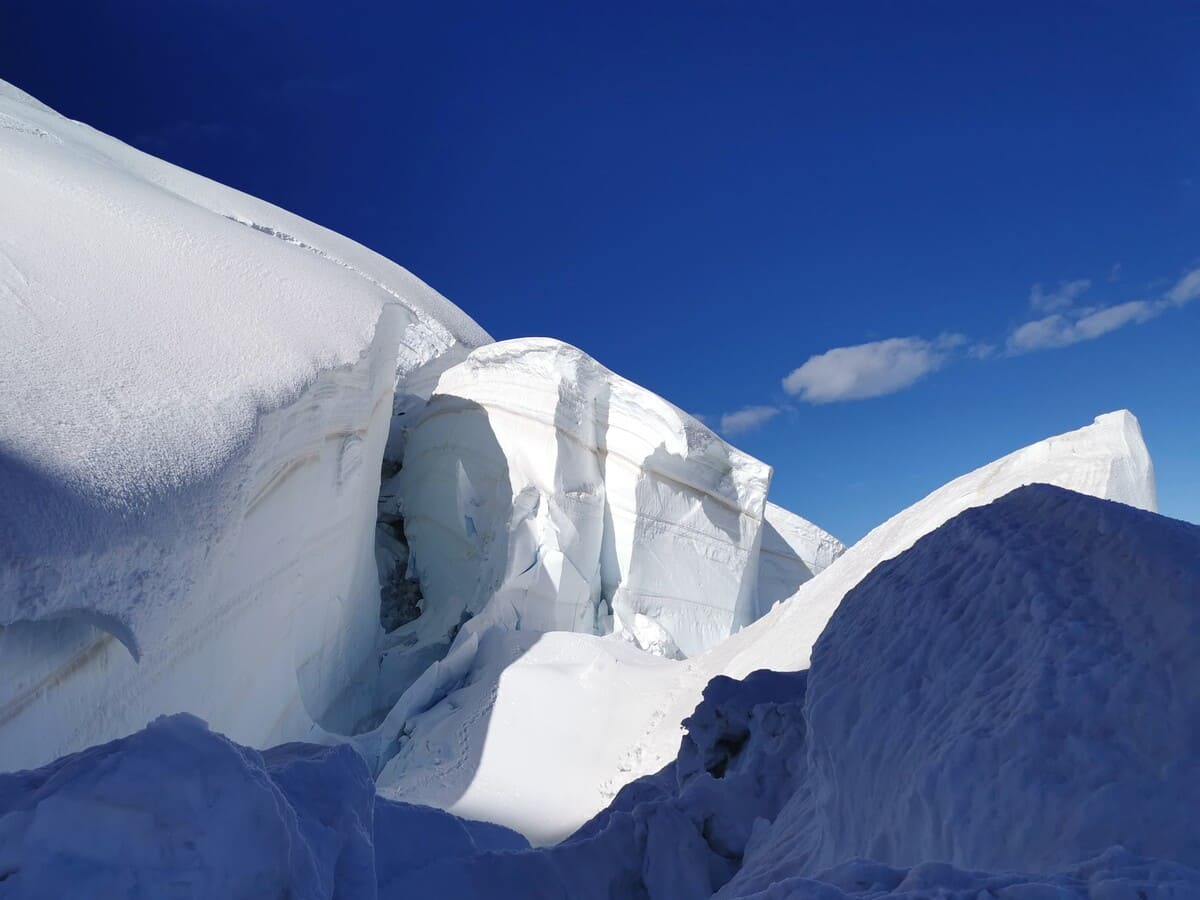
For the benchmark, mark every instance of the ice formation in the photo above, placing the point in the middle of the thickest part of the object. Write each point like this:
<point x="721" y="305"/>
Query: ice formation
<point x="194" y="419"/>
<point x="570" y="499"/>
<point x="191" y="424"/>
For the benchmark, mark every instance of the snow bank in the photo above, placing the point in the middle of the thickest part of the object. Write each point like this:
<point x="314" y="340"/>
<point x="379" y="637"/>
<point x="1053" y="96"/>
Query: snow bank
<point x="198" y="392"/>
<point x="574" y="500"/>
<point x="1020" y="690"/>
<point x="176" y="810"/>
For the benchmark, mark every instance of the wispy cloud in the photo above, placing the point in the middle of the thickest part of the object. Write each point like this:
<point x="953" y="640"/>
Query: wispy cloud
<point x="747" y="419"/>
<point x="1186" y="288"/>
<point x="869" y="370"/>
<point x="1073" y="325"/>
<point x="1061" y="297"/>
<point x="1063" y="330"/>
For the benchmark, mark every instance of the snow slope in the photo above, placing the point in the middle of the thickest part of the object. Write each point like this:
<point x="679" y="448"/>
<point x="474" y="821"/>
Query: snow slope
<point x="439" y="734"/>
<point x="198" y="390"/>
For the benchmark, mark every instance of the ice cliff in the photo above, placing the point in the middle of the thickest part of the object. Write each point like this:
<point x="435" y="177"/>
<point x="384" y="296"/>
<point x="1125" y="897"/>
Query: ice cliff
<point x="198" y="389"/>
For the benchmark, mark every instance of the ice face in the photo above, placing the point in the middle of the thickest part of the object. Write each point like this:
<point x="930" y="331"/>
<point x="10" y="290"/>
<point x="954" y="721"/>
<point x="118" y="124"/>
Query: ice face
<point x="541" y="482"/>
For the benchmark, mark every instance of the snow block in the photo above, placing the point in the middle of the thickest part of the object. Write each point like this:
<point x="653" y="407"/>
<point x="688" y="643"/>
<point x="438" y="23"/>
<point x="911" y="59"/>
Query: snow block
<point x="572" y="499"/>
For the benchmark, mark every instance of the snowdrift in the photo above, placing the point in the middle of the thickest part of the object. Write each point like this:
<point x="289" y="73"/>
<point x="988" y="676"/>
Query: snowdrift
<point x="198" y="391"/>
<point x="1010" y="708"/>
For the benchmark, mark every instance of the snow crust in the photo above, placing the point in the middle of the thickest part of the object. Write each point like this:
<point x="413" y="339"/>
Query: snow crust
<point x="198" y="391"/>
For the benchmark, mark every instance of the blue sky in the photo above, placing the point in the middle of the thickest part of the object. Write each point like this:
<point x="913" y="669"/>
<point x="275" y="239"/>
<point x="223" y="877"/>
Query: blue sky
<point x="712" y="197"/>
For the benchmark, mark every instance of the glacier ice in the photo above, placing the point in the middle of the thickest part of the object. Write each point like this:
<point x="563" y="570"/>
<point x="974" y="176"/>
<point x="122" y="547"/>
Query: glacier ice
<point x="573" y="500"/>
<point x="191" y="424"/>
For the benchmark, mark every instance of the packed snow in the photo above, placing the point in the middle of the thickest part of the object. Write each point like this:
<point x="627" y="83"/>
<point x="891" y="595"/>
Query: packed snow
<point x="192" y="419"/>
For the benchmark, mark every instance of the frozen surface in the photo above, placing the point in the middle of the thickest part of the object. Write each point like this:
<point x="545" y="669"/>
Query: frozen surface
<point x="571" y="499"/>
<point x="197" y="394"/>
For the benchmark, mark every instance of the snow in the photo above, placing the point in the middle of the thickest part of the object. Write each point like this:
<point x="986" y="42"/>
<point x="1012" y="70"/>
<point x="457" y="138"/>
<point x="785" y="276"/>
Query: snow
<point x="793" y="551"/>
<point x="1009" y="708"/>
<point x="198" y="393"/>
<point x="633" y="729"/>
<point x="176" y="810"/>
<point x="540" y="482"/>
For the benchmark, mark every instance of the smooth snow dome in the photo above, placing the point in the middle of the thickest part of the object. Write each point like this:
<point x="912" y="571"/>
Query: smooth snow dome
<point x="197" y="393"/>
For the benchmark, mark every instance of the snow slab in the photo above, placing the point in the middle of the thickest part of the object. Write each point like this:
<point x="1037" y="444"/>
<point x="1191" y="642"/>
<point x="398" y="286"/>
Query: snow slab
<point x="198" y="389"/>
<point x="430" y="726"/>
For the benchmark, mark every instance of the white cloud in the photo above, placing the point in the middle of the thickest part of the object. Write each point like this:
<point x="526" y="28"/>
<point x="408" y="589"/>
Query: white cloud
<point x="869" y="370"/>
<point x="747" y="419"/>
<point x="1061" y="297"/>
<point x="1063" y="330"/>
<point x="1186" y="288"/>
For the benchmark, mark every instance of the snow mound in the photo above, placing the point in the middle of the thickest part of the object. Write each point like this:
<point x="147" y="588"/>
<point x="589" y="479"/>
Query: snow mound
<point x="197" y="394"/>
<point x="1020" y="690"/>
<point x="176" y="810"/>
<point x="570" y="499"/>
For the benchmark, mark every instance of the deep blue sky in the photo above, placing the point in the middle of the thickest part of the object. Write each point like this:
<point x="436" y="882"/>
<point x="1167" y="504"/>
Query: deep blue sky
<point x="703" y="196"/>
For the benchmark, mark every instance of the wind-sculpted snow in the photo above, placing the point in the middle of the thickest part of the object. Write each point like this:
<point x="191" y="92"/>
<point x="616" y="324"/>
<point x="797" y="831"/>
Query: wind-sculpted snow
<point x="540" y="482"/>
<point x="198" y="390"/>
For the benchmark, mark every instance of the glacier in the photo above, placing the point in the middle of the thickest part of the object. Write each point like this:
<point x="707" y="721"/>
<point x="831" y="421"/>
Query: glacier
<point x="399" y="601"/>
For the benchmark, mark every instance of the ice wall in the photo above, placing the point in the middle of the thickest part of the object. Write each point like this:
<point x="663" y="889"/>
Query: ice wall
<point x="575" y="500"/>
<point x="197" y="392"/>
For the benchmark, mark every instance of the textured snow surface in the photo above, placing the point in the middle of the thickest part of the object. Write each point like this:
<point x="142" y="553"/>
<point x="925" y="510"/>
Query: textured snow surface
<point x="1018" y="692"/>
<point x="197" y="394"/>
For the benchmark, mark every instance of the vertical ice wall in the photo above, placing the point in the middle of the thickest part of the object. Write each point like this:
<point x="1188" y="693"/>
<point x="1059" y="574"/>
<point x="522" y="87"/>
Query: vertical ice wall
<point x="572" y="499"/>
